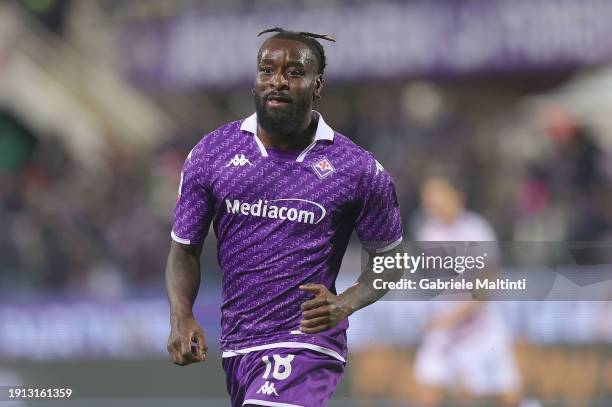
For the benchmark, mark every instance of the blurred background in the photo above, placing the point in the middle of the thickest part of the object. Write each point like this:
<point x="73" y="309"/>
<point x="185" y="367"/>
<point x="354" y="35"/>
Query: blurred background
<point x="101" y="101"/>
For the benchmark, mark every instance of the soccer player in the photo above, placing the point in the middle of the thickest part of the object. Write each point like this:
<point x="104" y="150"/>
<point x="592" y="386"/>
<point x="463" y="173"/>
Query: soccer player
<point x="284" y="193"/>
<point x="467" y="345"/>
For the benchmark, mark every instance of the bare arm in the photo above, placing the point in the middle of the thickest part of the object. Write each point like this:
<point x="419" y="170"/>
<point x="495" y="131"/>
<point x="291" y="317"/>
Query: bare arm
<point x="182" y="278"/>
<point x="363" y="292"/>
<point x="186" y="343"/>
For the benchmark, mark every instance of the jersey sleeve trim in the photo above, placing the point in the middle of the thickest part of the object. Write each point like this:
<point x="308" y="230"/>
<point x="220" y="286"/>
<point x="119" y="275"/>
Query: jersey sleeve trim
<point x="390" y="246"/>
<point x="179" y="239"/>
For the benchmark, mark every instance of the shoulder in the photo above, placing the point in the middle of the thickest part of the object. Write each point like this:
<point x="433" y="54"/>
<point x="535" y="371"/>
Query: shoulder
<point x="212" y="143"/>
<point x="361" y="159"/>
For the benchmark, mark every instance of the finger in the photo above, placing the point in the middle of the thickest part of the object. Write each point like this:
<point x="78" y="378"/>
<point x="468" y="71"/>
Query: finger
<point x="315" y="330"/>
<point x="313" y="288"/>
<point x="176" y="357"/>
<point x="317" y="312"/>
<point x="186" y="353"/>
<point x="185" y="346"/>
<point x="314" y="303"/>
<point x="178" y="360"/>
<point x="174" y="353"/>
<point x="201" y="346"/>
<point x="313" y="323"/>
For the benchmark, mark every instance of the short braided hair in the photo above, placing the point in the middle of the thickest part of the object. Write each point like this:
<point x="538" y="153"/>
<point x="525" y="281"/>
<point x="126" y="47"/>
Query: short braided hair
<point x="310" y="39"/>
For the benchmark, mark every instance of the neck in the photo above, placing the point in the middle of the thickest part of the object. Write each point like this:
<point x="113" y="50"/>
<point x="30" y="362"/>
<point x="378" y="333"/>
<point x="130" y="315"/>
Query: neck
<point x="295" y="141"/>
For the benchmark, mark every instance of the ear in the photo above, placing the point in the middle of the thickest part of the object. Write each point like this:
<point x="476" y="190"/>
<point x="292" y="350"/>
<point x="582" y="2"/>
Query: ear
<point x="318" y="87"/>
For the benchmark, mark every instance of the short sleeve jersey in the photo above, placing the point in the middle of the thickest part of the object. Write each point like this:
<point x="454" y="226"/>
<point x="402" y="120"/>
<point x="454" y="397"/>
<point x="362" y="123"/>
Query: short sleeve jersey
<point x="282" y="219"/>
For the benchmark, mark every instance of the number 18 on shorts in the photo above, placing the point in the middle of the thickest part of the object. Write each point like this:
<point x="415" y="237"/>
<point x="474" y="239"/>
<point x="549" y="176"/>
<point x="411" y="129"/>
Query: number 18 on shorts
<point x="282" y="378"/>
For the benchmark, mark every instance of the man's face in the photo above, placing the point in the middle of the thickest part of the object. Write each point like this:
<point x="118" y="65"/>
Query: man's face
<point x="441" y="200"/>
<point x="286" y="83"/>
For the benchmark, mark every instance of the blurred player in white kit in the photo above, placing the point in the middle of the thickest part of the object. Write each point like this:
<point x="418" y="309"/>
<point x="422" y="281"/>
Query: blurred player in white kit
<point x="466" y="346"/>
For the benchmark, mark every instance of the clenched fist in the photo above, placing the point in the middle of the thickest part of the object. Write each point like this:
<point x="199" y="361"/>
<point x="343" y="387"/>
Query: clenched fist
<point x="186" y="343"/>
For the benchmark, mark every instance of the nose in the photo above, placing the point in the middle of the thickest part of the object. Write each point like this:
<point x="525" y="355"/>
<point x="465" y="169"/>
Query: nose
<point x="279" y="81"/>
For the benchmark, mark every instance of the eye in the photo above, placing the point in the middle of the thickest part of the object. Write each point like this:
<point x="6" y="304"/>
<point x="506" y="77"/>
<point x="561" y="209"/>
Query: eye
<point x="295" y="72"/>
<point x="265" y="69"/>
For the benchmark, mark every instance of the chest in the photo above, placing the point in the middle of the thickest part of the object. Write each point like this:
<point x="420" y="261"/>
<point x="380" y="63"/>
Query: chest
<point x="304" y="192"/>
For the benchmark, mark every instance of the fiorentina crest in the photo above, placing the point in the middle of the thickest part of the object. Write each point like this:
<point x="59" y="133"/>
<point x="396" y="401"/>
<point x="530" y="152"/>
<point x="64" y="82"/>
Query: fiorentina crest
<point x="323" y="168"/>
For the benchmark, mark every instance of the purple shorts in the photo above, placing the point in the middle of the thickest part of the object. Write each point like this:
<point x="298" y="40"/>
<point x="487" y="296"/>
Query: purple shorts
<point x="282" y="378"/>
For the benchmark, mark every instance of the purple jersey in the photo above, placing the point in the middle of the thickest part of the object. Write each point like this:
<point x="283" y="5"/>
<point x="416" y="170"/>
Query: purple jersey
<point x="282" y="219"/>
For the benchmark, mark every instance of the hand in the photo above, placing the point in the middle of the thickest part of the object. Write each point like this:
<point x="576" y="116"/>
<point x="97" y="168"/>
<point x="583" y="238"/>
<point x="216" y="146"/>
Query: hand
<point x="186" y="343"/>
<point x="323" y="312"/>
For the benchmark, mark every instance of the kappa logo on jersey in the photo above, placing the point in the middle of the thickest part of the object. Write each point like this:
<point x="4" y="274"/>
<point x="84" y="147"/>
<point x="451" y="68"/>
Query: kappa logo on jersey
<point x="302" y="210"/>
<point x="323" y="168"/>
<point x="268" y="389"/>
<point x="238" y="161"/>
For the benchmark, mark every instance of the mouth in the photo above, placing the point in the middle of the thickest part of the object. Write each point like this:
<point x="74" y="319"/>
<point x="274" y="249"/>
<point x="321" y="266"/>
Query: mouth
<point x="278" y="101"/>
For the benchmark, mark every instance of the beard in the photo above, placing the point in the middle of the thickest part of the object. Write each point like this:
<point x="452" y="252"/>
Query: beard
<point x="282" y="121"/>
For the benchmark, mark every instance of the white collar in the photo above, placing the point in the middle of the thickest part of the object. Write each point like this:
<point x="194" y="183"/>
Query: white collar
<point x="324" y="132"/>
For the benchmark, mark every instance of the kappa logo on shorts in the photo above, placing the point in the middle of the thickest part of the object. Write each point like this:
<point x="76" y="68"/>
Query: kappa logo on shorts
<point x="268" y="389"/>
<point x="323" y="168"/>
